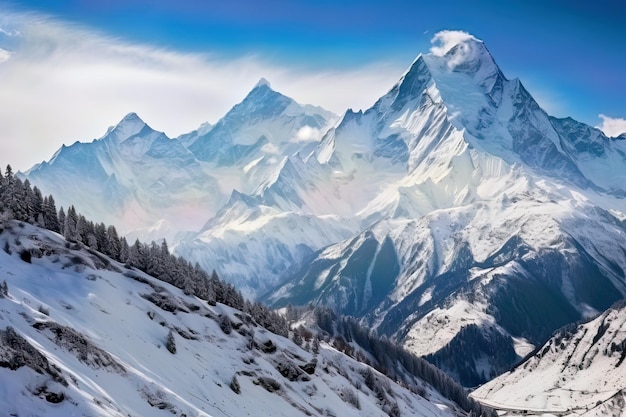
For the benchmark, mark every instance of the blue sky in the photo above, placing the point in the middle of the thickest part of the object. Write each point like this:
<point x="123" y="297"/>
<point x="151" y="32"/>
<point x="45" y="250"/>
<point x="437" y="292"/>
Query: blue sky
<point x="570" y="55"/>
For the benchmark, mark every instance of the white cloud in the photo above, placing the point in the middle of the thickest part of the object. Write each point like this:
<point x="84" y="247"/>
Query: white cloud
<point x="445" y="40"/>
<point x="4" y="55"/>
<point x="308" y="133"/>
<point x="64" y="83"/>
<point x="612" y="126"/>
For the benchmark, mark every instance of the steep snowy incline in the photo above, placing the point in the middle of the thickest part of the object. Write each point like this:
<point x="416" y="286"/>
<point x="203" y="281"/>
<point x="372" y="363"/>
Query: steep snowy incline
<point x="580" y="369"/>
<point x="599" y="158"/>
<point x="81" y="334"/>
<point x="502" y="118"/>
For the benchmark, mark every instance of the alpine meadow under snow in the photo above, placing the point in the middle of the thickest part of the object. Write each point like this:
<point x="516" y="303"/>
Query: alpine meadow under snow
<point x="454" y="217"/>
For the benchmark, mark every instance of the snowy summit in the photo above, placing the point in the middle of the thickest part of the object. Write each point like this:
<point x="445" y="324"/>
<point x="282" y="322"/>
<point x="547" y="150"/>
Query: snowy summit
<point x="263" y="83"/>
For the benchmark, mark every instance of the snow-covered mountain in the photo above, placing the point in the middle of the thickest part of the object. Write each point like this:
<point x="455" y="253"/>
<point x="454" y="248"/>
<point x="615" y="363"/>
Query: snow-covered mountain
<point x="454" y="212"/>
<point x="494" y="225"/>
<point x="579" y="370"/>
<point x="81" y="334"/>
<point x="152" y="186"/>
<point x="133" y="176"/>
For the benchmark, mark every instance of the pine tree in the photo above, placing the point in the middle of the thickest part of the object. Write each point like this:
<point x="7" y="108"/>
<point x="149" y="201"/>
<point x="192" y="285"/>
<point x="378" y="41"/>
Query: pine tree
<point x="82" y="230"/>
<point x="138" y="255"/>
<point x="165" y="251"/>
<point x="62" y="218"/>
<point x="102" y="240"/>
<point x="124" y="250"/>
<point x="36" y="209"/>
<point x="2" y="193"/>
<point x="70" y="228"/>
<point x="8" y="174"/>
<point x="18" y="200"/>
<point x="114" y="243"/>
<point x="297" y="337"/>
<point x="50" y="218"/>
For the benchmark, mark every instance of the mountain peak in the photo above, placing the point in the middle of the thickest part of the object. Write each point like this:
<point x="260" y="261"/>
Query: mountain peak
<point x="446" y="40"/>
<point x="262" y="101"/>
<point x="452" y="51"/>
<point x="263" y="83"/>
<point x="132" y="121"/>
<point x="130" y="125"/>
<point x="460" y="52"/>
<point x="132" y="116"/>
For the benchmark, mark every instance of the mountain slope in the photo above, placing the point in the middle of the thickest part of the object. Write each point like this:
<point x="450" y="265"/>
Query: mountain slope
<point x="580" y="369"/>
<point x="82" y="334"/>
<point x="491" y="234"/>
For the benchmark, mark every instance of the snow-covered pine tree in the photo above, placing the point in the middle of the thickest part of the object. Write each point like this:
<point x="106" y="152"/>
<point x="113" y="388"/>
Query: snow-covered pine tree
<point x="62" y="217"/>
<point x="70" y="230"/>
<point x="50" y="217"/>
<point x="114" y="244"/>
<point x="102" y="240"/>
<point x="36" y="206"/>
<point x="124" y="250"/>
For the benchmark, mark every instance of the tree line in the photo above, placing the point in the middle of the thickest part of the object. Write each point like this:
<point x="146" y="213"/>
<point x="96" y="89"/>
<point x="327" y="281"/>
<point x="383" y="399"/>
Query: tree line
<point x="365" y="345"/>
<point x="22" y="202"/>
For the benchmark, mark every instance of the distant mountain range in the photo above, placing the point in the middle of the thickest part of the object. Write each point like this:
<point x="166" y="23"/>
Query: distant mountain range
<point x="454" y="215"/>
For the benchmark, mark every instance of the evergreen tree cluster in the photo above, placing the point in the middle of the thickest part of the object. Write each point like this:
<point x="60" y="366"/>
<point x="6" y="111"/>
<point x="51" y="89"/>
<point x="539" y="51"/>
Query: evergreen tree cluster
<point x="20" y="201"/>
<point x="391" y="359"/>
<point x="462" y="353"/>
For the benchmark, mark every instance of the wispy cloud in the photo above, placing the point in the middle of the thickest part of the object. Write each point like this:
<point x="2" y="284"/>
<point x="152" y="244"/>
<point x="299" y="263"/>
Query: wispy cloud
<point x="445" y="40"/>
<point x="63" y="83"/>
<point x="6" y="32"/>
<point x="612" y="126"/>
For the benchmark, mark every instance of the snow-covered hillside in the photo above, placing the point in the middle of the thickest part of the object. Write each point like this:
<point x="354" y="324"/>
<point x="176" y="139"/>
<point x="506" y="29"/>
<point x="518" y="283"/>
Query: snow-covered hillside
<point x="81" y="334"/>
<point x="579" y="371"/>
